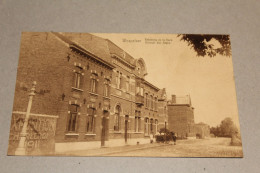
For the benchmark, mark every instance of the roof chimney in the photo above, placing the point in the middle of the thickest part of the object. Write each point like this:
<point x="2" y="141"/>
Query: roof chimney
<point x="173" y="99"/>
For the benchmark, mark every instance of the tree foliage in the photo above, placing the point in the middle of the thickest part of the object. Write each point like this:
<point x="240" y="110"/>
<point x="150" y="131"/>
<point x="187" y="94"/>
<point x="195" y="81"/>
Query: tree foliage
<point x="202" y="46"/>
<point x="227" y="128"/>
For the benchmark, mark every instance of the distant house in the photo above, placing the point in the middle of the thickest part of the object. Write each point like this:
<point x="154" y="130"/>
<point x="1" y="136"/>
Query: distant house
<point x="181" y="116"/>
<point x="202" y="130"/>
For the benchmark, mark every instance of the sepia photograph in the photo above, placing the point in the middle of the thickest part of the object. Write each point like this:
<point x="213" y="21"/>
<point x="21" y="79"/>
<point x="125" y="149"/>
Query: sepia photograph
<point x="122" y="94"/>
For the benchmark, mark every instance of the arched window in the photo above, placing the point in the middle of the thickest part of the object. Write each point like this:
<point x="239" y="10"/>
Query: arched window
<point x="117" y="118"/>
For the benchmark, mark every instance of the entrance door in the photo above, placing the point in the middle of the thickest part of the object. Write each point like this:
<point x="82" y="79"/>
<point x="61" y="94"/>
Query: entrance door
<point x="104" y="129"/>
<point x="126" y="127"/>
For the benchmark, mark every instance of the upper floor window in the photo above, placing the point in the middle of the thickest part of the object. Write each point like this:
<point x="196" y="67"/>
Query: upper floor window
<point x="127" y="84"/>
<point x="106" y="88"/>
<point x="146" y="100"/>
<point x="72" y="119"/>
<point x="118" y="80"/>
<point x="141" y="91"/>
<point x="151" y="100"/>
<point x="77" y="77"/>
<point x="155" y="103"/>
<point x="138" y="88"/>
<point x="93" y="83"/>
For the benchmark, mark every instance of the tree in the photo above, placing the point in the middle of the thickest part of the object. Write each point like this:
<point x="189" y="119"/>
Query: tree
<point x="216" y="131"/>
<point x="204" y="44"/>
<point x="228" y="128"/>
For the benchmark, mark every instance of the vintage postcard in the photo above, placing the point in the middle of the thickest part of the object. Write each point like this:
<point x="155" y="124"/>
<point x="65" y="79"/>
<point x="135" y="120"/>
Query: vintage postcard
<point x="147" y="95"/>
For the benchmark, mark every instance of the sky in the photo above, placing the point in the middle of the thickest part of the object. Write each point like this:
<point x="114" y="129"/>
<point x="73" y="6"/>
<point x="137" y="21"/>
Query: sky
<point x="173" y="65"/>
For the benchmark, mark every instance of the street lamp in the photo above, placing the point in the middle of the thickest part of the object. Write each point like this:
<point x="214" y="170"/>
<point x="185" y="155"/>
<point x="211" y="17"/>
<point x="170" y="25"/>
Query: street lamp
<point x="165" y="132"/>
<point x="20" y="150"/>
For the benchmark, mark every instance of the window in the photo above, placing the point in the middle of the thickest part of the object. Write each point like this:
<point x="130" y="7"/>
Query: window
<point x="142" y="91"/>
<point x="155" y="103"/>
<point x="146" y="126"/>
<point x="93" y="87"/>
<point x="137" y="121"/>
<point x="72" y="120"/>
<point x="106" y="88"/>
<point x="91" y="120"/>
<point x="128" y="122"/>
<point x="137" y="90"/>
<point x="77" y="77"/>
<point x="146" y="100"/>
<point x="151" y="125"/>
<point x="156" y="126"/>
<point x="151" y="100"/>
<point x="117" y="118"/>
<point x="139" y="124"/>
<point x="128" y="84"/>
<point x="119" y="80"/>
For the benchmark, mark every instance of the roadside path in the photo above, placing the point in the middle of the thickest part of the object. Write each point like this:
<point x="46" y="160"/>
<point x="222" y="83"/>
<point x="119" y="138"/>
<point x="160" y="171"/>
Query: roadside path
<point x="117" y="151"/>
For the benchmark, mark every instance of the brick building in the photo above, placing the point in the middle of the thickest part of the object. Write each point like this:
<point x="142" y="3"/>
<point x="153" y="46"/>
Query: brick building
<point x="96" y="89"/>
<point x="181" y="116"/>
<point x="134" y="114"/>
<point x="202" y="130"/>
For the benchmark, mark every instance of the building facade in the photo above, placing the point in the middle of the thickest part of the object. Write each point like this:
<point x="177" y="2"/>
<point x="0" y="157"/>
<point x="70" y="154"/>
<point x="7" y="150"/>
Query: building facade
<point x="181" y="116"/>
<point x="96" y="89"/>
<point x="134" y="101"/>
<point x="202" y="130"/>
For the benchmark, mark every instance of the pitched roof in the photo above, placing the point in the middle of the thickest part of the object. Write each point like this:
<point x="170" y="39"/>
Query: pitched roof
<point x="119" y="52"/>
<point x="91" y="43"/>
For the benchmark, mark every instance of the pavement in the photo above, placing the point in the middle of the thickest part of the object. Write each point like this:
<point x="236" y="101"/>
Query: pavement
<point x="211" y="147"/>
<point x="109" y="151"/>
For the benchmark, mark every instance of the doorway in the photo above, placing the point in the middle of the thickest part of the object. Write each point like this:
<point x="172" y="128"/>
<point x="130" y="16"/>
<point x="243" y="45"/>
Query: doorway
<point x="126" y="127"/>
<point x="104" y="128"/>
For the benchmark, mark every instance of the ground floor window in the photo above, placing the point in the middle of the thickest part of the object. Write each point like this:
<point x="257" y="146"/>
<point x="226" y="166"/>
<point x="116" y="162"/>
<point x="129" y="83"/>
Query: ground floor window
<point x="156" y="126"/>
<point x="72" y="120"/>
<point x="127" y="122"/>
<point x="146" y="126"/>
<point x="136" y="124"/>
<point x="91" y="120"/>
<point x="117" y="118"/>
<point x="151" y="125"/>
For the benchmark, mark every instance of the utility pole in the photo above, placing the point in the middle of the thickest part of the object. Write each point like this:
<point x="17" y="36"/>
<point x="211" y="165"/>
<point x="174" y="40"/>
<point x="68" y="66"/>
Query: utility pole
<point x="20" y="150"/>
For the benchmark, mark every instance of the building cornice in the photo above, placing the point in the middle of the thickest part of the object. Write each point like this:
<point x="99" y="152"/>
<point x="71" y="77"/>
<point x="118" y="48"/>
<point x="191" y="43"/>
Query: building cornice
<point x="113" y="55"/>
<point x="94" y="57"/>
<point x="151" y="85"/>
